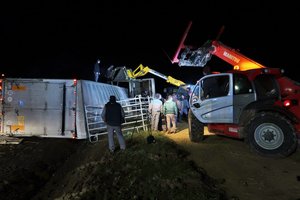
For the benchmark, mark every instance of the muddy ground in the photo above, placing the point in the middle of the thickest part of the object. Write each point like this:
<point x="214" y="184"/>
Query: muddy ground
<point x="246" y="175"/>
<point x="42" y="168"/>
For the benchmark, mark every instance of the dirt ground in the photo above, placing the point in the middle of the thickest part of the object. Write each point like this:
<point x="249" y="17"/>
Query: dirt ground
<point x="246" y="175"/>
<point x="43" y="168"/>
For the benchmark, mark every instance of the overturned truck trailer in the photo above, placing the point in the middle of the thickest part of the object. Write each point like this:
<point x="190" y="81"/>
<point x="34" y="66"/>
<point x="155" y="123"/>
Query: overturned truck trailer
<point x="58" y="108"/>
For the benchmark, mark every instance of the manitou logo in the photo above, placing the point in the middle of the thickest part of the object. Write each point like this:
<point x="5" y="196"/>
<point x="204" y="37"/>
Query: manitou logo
<point x="231" y="57"/>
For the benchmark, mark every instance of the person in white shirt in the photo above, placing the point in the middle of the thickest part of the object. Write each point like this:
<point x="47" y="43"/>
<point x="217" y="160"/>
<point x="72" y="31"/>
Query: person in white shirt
<point x="155" y="108"/>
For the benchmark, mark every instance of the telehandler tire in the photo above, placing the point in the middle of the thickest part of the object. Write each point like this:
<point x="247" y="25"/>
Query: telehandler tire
<point x="271" y="134"/>
<point x="196" y="128"/>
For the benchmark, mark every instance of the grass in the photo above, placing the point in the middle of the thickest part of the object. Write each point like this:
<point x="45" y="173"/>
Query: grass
<point x="158" y="170"/>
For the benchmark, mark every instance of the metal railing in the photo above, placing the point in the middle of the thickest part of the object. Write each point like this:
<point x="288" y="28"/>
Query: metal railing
<point x="136" y="117"/>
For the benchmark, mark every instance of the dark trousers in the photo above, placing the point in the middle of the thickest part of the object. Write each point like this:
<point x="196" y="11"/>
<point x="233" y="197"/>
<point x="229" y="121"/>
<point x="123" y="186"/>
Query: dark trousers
<point x="160" y="123"/>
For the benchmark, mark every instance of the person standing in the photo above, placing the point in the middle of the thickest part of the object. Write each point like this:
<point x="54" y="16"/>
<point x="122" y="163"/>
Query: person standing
<point x="170" y="111"/>
<point x="155" y="108"/>
<point x="113" y="115"/>
<point x="185" y="107"/>
<point x="97" y="70"/>
<point x="160" y="121"/>
<point x="179" y="108"/>
<point x="189" y="93"/>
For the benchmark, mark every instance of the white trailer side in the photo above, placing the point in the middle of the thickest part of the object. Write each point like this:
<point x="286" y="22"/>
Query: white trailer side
<point x="51" y="107"/>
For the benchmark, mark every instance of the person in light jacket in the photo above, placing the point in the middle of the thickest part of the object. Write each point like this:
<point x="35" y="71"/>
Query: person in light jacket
<point x="155" y="108"/>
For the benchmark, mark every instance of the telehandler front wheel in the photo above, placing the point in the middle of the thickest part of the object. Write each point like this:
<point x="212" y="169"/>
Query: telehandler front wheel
<point x="196" y="128"/>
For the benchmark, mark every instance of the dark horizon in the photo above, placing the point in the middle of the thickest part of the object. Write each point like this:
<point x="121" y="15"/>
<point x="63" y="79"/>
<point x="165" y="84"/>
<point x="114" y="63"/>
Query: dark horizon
<point x="41" y="40"/>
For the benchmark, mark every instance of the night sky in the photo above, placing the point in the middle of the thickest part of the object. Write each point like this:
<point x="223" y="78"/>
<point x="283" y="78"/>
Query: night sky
<point x="64" y="40"/>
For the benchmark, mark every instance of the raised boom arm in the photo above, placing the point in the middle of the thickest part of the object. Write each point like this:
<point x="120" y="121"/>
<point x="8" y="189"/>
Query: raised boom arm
<point x="142" y="71"/>
<point x="198" y="57"/>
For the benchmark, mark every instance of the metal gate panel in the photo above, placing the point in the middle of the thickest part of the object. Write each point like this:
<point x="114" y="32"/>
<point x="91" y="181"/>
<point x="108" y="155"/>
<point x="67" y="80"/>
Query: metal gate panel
<point x="136" y="117"/>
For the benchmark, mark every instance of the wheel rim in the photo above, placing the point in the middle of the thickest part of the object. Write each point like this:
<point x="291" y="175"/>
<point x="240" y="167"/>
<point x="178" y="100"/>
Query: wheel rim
<point x="268" y="136"/>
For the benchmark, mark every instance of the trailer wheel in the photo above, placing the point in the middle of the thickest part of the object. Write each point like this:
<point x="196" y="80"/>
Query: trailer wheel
<point x="271" y="134"/>
<point x="196" y="128"/>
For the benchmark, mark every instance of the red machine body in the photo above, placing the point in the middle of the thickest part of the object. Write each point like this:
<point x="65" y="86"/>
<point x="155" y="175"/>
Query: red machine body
<point x="251" y="102"/>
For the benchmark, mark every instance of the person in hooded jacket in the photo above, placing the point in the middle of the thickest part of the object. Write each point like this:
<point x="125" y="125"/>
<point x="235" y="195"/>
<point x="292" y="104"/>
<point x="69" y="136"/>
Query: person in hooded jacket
<point x="113" y="115"/>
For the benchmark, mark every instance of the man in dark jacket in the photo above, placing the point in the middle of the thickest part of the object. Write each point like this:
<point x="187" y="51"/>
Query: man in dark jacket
<point x="113" y="115"/>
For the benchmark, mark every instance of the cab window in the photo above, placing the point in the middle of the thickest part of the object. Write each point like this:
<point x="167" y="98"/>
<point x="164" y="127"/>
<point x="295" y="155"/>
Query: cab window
<point x="215" y="86"/>
<point x="241" y="84"/>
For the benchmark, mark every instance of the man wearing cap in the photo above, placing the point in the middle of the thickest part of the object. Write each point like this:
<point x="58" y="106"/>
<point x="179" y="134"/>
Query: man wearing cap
<point x="113" y="115"/>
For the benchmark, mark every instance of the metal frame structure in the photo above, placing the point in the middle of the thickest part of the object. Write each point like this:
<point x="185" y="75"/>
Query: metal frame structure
<point x="136" y="117"/>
